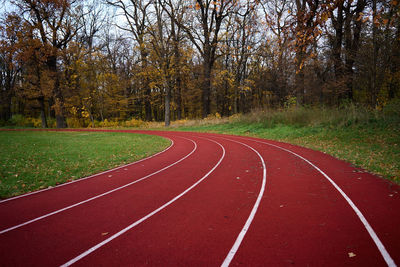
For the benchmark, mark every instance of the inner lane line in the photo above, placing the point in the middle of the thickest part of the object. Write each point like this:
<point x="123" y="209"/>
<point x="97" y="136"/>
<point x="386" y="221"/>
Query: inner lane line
<point x="121" y="232"/>
<point x="100" y="195"/>
<point x="91" y="176"/>
<point x="231" y="254"/>
<point x="385" y="254"/>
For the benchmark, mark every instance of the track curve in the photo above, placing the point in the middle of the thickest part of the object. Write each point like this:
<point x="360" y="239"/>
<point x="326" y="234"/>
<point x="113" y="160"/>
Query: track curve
<point x="209" y="200"/>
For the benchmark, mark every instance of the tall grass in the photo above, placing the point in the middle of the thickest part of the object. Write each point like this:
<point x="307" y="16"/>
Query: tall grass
<point x="348" y="116"/>
<point x="368" y="138"/>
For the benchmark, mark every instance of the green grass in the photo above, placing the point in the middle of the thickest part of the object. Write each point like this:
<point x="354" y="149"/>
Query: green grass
<point x="35" y="160"/>
<point x="367" y="139"/>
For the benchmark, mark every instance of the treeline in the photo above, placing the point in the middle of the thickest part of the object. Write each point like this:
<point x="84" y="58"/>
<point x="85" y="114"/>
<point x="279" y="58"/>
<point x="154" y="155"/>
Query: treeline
<point x="86" y="61"/>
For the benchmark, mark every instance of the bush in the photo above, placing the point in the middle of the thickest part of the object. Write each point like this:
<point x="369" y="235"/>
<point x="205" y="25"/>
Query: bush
<point x="17" y="120"/>
<point x="392" y="109"/>
<point x="133" y="123"/>
<point x="51" y="122"/>
<point x="37" y="122"/>
<point x="107" y="123"/>
<point x="78" y="123"/>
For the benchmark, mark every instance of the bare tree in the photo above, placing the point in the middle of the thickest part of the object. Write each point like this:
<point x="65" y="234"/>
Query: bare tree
<point x="347" y="22"/>
<point x="136" y="14"/>
<point x="203" y="25"/>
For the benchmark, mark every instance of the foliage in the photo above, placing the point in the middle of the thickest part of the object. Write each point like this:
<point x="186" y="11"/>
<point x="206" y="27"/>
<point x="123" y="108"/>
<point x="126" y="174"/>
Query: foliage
<point x="392" y="109"/>
<point x="37" y="160"/>
<point x="174" y="59"/>
<point x="20" y="120"/>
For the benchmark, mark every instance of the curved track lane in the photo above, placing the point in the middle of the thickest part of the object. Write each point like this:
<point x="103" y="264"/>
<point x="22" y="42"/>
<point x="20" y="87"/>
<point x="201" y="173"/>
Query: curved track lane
<point x="210" y="200"/>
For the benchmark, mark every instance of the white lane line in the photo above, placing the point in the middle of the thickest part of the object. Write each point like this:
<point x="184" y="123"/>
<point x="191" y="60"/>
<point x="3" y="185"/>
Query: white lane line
<point x="88" y="177"/>
<point x="100" y="195"/>
<point x="385" y="254"/>
<point x="99" y="245"/>
<point x="249" y="220"/>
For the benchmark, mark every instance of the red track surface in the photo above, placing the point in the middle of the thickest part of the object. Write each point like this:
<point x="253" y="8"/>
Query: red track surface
<point x="190" y="203"/>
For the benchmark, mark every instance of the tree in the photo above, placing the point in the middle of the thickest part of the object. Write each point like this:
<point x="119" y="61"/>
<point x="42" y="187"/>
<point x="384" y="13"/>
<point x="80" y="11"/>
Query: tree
<point x="208" y="16"/>
<point x="347" y="21"/>
<point x="309" y="15"/>
<point x="10" y="67"/>
<point x="278" y="36"/>
<point x="135" y="14"/>
<point x="53" y="23"/>
<point x="175" y="11"/>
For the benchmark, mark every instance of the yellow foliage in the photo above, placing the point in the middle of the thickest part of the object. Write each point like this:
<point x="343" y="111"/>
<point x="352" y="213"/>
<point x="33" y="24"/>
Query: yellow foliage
<point x="75" y="123"/>
<point x="85" y="114"/>
<point x="291" y="102"/>
<point x="212" y="117"/>
<point x="133" y="123"/>
<point x="37" y="123"/>
<point x="20" y="120"/>
<point x="107" y="123"/>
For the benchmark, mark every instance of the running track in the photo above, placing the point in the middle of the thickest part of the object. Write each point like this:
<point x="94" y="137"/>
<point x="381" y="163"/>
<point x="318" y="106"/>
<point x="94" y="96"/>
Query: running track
<point x="210" y="200"/>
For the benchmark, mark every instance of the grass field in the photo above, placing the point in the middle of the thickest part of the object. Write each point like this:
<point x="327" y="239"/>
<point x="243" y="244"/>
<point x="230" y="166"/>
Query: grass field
<point x="368" y="139"/>
<point x="34" y="160"/>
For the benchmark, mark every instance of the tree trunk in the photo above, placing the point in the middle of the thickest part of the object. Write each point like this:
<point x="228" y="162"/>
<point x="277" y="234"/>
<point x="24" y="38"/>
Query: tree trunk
<point x="167" y="106"/>
<point x="375" y="47"/>
<point x="178" y="81"/>
<point x="92" y="120"/>
<point x="337" y="42"/>
<point x="6" y="109"/>
<point x="57" y="94"/>
<point x="206" y="92"/>
<point x="145" y="84"/>
<point x="352" y="42"/>
<point x="147" y="105"/>
<point x="178" y="100"/>
<point x="43" y="113"/>
<point x="300" y="52"/>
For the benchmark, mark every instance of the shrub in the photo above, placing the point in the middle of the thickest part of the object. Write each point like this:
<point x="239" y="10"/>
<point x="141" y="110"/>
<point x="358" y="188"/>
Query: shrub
<point x="133" y="123"/>
<point x="37" y="122"/>
<point x="392" y="109"/>
<point x="51" y="122"/>
<point x="76" y="123"/>
<point x="107" y="123"/>
<point x="17" y="120"/>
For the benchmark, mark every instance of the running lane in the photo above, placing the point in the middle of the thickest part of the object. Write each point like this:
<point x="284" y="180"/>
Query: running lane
<point x="309" y="214"/>
<point x="17" y="211"/>
<point x="210" y="200"/>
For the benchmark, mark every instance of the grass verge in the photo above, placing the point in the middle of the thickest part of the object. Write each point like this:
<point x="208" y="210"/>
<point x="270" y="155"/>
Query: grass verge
<point x="37" y="160"/>
<point x="367" y="139"/>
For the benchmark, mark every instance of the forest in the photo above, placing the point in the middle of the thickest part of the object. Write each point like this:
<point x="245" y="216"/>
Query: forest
<point x="78" y="63"/>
